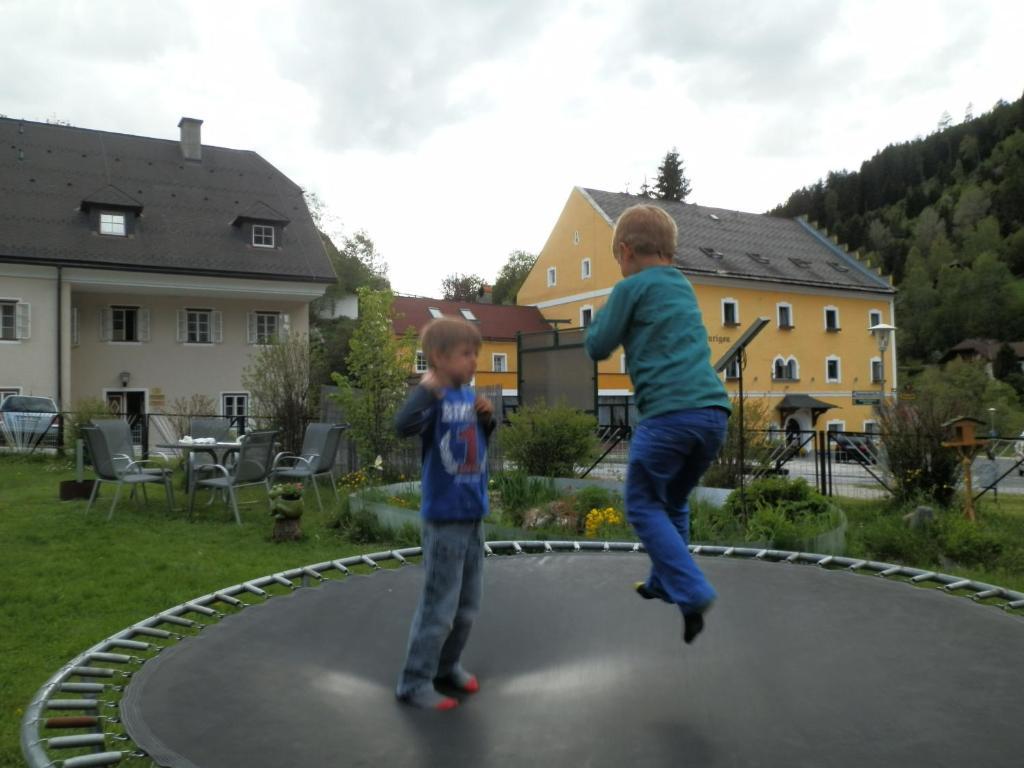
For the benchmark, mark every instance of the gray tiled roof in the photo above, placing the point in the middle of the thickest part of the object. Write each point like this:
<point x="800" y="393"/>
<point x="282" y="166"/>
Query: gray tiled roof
<point x="46" y="171"/>
<point x="715" y="241"/>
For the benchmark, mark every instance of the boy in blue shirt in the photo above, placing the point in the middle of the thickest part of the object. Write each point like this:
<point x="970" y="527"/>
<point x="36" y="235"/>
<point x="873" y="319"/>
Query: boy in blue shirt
<point x="683" y="405"/>
<point x="454" y="424"/>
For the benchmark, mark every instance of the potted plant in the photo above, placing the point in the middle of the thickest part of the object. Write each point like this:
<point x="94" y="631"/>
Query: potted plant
<point x="286" y="508"/>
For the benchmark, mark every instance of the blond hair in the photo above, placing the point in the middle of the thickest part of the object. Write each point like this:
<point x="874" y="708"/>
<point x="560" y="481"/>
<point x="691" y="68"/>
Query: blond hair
<point x="443" y="335"/>
<point x="647" y="230"/>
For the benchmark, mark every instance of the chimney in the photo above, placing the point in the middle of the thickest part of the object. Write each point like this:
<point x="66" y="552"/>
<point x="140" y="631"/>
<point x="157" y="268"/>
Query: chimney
<point x="191" y="138"/>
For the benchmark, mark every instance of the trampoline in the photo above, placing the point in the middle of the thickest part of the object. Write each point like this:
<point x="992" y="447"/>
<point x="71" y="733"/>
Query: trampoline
<point x="799" y="666"/>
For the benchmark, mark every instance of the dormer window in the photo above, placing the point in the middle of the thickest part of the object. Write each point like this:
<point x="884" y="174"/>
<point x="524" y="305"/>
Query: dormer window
<point x="263" y="235"/>
<point x="112" y="224"/>
<point x="261" y="223"/>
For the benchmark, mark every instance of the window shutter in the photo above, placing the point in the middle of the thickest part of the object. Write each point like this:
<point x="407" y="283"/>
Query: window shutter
<point x="216" y="327"/>
<point x="182" y="325"/>
<point x="286" y="325"/>
<point x="106" y="324"/>
<point x="74" y="326"/>
<point x="23" y="322"/>
<point x="143" y="324"/>
<point x="252" y="327"/>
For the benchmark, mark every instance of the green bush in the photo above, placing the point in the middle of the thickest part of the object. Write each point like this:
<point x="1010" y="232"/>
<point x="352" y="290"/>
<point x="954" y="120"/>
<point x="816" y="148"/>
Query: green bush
<point x="713" y="525"/>
<point x="595" y="497"/>
<point x="968" y="543"/>
<point x="550" y="440"/>
<point x="82" y="413"/>
<point x="889" y="539"/>
<point x="795" y="497"/>
<point x="516" y="492"/>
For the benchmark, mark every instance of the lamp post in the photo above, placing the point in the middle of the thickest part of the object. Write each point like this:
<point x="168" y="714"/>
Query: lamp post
<point x="992" y="422"/>
<point x="882" y="333"/>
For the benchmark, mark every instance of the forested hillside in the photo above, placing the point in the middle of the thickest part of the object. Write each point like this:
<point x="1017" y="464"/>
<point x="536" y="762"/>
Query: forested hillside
<point x="944" y="216"/>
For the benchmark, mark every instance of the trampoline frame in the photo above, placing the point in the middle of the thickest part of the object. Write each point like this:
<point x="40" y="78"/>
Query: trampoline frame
<point x="108" y="660"/>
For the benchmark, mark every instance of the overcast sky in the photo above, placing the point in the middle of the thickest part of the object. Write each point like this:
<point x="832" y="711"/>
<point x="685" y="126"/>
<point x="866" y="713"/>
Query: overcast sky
<point x="453" y="131"/>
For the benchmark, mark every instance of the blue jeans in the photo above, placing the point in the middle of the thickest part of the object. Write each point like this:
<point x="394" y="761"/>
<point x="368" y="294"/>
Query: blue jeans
<point x="667" y="456"/>
<point x="453" y="560"/>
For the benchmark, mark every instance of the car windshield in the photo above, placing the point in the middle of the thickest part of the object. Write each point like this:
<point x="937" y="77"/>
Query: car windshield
<point x="29" y="404"/>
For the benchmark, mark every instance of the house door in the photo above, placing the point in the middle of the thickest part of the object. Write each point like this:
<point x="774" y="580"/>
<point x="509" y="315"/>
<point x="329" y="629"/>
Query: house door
<point x="793" y="432"/>
<point x="131" y="406"/>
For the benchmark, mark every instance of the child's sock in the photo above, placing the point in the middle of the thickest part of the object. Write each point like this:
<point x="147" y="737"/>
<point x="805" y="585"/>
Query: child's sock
<point x="427" y="698"/>
<point x="460" y="680"/>
<point x="647" y="593"/>
<point x="693" y="625"/>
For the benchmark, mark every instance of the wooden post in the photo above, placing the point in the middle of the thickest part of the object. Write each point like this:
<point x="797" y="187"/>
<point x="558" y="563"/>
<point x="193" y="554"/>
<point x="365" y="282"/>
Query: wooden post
<point x="966" y="458"/>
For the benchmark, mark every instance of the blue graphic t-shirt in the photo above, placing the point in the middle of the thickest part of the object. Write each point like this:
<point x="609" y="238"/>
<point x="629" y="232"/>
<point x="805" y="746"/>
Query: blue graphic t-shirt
<point x="454" y="483"/>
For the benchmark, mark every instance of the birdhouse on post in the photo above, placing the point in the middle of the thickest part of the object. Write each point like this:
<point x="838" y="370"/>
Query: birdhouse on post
<point x="967" y="444"/>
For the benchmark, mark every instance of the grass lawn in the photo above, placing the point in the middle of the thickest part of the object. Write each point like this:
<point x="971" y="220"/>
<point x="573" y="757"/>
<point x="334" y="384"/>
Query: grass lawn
<point x="879" y="534"/>
<point x="69" y="580"/>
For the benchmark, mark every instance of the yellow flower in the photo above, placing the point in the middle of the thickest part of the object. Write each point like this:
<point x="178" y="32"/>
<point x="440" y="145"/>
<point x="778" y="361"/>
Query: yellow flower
<point x="598" y="519"/>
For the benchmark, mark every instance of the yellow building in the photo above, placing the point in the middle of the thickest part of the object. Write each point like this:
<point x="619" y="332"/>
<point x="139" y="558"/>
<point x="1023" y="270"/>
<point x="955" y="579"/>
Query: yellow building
<point x="820" y="300"/>
<point x="498" y="324"/>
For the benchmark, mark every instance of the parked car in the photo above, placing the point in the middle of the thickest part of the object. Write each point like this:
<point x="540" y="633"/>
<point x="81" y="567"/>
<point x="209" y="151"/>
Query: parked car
<point x="856" y="448"/>
<point x="28" y="422"/>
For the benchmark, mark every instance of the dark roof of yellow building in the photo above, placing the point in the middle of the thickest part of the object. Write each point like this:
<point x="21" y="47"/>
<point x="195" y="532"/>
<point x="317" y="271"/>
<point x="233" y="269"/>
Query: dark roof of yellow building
<point x="497" y="322"/>
<point x="752" y="246"/>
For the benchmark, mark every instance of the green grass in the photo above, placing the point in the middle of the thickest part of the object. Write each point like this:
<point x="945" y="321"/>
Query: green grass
<point x="69" y="580"/>
<point x="877" y="532"/>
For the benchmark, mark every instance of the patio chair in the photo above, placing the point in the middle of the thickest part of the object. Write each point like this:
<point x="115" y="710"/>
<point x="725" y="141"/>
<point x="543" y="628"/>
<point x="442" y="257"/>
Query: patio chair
<point x="319" y="448"/>
<point x="252" y="467"/>
<point x="131" y="473"/>
<point x="118" y="434"/>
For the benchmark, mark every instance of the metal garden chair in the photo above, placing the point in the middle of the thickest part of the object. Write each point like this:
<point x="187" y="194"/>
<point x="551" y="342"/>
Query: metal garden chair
<point x="252" y="467"/>
<point x="131" y="473"/>
<point x="319" y="448"/>
<point x="118" y="434"/>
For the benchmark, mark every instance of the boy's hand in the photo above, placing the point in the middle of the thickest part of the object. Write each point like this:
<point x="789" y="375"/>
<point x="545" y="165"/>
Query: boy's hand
<point x="431" y="382"/>
<point x="484" y="407"/>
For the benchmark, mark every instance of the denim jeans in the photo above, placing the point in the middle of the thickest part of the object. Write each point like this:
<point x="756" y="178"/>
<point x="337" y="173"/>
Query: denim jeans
<point x="667" y="456"/>
<point x="453" y="560"/>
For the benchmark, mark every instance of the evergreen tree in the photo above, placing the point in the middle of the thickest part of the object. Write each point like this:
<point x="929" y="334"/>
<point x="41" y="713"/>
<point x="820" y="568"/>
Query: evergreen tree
<point x="1005" y="362"/>
<point x="672" y="183"/>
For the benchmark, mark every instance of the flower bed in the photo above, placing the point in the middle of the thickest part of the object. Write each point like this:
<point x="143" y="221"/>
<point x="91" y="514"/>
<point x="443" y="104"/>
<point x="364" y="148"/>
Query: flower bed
<point x="548" y="508"/>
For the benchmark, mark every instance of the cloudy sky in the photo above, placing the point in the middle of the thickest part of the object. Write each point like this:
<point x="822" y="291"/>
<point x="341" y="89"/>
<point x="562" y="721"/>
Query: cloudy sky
<point x="452" y="131"/>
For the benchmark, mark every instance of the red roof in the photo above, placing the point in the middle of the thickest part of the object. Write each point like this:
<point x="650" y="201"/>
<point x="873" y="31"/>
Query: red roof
<point x="495" y="321"/>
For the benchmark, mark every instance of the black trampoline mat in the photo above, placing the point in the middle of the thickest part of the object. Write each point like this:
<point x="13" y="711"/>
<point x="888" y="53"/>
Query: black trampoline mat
<point x="798" y="666"/>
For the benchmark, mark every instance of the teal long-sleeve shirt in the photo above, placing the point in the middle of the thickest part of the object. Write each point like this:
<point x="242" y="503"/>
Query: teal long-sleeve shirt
<point x="654" y="315"/>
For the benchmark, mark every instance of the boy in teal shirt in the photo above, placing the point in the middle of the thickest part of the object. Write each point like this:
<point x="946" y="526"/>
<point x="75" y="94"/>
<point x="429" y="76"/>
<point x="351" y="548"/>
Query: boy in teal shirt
<point x="683" y="405"/>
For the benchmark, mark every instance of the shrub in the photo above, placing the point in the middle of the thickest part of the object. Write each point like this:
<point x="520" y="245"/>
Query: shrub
<point x="184" y="408"/>
<point x="713" y="525"/>
<point x="888" y="538"/>
<point x="517" y="492"/>
<point x="967" y="543"/>
<point x="725" y="472"/>
<point x="550" y="440"/>
<point x="919" y="465"/>
<point x="283" y="394"/>
<point x="82" y="413"/>
<point x="595" y="497"/>
<point x="795" y="497"/>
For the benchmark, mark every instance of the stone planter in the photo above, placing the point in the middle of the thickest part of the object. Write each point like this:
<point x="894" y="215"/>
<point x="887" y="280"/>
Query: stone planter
<point x="287" y="514"/>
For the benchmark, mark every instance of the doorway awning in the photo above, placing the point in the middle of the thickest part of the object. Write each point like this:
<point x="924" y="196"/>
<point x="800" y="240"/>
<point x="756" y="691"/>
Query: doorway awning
<point x="795" y="402"/>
